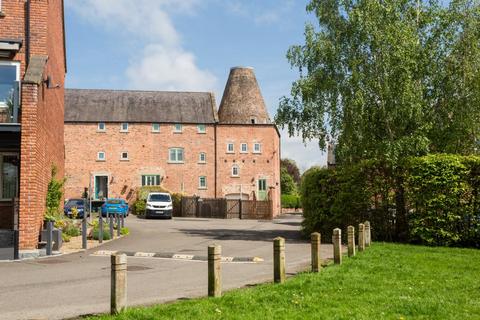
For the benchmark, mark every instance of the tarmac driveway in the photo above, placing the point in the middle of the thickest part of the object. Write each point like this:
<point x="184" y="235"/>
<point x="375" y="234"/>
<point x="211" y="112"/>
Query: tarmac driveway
<point x="78" y="284"/>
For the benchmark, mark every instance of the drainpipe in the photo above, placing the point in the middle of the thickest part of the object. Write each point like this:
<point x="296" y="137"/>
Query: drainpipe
<point x="27" y="33"/>
<point x="215" y="150"/>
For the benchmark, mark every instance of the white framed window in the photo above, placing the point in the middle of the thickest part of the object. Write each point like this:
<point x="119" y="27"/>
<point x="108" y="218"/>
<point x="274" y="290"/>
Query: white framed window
<point x="202" y="157"/>
<point x="230" y="147"/>
<point x="101" y="127"/>
<point x="175" y="155"/>
<point x="124" y="156"/>
<point x="124" y="127"/>
<point x="235" y="171"/>
<point x="244" y="148"/>
<point x="156" y="127"/>
<point x="202" y="182"/>
<point x="9" y="77"/>
<point x="101" y="156"/>
<point x="257" y="147"/>
<point x="201" y="128"/>
<point x="253" y="120"/>
<point x="177" y="128"/>
<point x="151" y="180"/>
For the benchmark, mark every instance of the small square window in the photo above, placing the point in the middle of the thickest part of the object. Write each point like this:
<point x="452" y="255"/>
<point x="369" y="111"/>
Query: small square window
<point x="235" y="171"/>
<point x="201" y="128"/>
<point x="244" y="148"/>
<point x="101" y="156"/>
<point x="253" y="120"/>
<point x="124" y="156"/>
<point x="124" y="127"/>
<point x="230" y="148"/>
<point x="101" y="127"/>
<point x="155" y="127"/>
<point x="202" y="182"/>
<point x="257" y="148"/>
<point x="178" y="128"/>
<point x="202" y="157"/>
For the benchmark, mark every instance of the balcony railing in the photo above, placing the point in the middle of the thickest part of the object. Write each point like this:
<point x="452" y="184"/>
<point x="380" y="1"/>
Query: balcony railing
<point x="9" y="110"/>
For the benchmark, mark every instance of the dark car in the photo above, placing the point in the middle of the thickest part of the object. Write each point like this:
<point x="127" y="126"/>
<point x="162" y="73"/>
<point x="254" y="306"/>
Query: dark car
<point x="75" y="203"/>
<point x="115" y="206"/>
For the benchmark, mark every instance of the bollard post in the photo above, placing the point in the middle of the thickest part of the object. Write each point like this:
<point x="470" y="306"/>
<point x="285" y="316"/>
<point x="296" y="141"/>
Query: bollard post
<point x="337" y="246"/>
<point x="361" y="237"/>
<point x="118" y="287"/>
<point x="214" y="271"/>
<point x="110" y="218"/>
<point x="279" y="260"/>
<point x="119" y="225"/>
<point x="123" y="221"/>
<point x="49" y="237"/>
<point x="368" y="239"/>
<point x="100" y="229"/>
<point x="84" y="232"/>
<point x="316" y="262"/>
<point x="351" y="241"/>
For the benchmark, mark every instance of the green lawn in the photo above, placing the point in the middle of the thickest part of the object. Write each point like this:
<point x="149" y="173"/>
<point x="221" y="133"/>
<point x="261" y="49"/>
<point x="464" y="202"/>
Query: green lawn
<point x="388" y="281"/>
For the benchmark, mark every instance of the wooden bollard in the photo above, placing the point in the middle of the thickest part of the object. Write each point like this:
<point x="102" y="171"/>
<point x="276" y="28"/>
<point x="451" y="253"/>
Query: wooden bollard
<point x="368" y="238"/>
<point x="214" y="271"/>
<point x="316" y="262"/>
<point x="279" y="260"/>
<point x="337" y="246"/>
<point x="351" y="241"/>
<point x="118" y="292"/>
<point x="361" y="237"/>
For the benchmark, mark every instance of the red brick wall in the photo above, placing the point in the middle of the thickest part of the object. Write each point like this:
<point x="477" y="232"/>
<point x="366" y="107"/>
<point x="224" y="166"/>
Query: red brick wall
<point x="42" y="108"/>
<point x="148" y="154"/>
<point x="265" y="165"/>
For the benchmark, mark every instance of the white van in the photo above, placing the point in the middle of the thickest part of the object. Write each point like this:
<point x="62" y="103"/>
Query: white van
<point x="159" y="205"/>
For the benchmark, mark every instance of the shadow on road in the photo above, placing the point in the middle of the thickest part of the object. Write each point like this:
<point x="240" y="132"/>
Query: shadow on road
<point x="246" y="235"/>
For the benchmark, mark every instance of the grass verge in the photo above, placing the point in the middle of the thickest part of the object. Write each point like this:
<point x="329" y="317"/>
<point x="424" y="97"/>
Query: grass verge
<point x="388" y="281"/>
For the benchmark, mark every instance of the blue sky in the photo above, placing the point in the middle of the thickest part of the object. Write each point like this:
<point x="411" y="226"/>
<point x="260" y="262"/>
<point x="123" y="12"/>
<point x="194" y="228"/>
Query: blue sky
<point x="187" y="45"/>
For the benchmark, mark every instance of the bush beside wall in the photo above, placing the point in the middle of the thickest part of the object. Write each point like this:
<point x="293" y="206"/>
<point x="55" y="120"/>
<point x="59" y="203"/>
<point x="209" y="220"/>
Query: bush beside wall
<point x="440" y="196"/>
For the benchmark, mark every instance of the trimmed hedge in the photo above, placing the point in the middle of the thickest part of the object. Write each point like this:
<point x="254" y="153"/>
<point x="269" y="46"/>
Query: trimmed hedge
<point x="432" y="200"/>
<point x="291" y="201"/>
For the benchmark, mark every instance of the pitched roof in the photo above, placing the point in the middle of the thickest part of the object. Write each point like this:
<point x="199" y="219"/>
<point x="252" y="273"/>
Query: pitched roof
<point x="86" y="105"/>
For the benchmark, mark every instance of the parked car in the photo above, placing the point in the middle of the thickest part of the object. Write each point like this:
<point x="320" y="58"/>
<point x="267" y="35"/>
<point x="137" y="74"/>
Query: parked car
<point x="75" y="203"/>
<point x="115" y="206"/>
<point x="159" y="205"/>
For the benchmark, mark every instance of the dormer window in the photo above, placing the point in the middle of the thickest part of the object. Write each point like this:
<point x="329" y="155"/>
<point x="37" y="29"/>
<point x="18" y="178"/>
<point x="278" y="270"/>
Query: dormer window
<point x="124" y="127"/>
<point x="253" y="120"/>
<point x="101" y="127"/>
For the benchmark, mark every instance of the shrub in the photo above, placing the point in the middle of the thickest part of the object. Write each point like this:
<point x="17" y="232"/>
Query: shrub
<point x="177" y="203"/>
<point x="287" y="184"/>
<point x="106" y="234"/>
<point x="54" y="196"/>
<point x="71" y="230"/>
<point x="66" y="237"/>
<point x="139" y="207"/>
<point x="290" y="201"/>
<point x="124" y="231"/>
<point x="143" y="192"/>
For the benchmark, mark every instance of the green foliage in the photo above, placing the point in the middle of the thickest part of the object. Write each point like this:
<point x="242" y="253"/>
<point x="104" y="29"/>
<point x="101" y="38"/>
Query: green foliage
<point x="139" y="207"/>
<point x="66" y="237"/>
<point x="177" y="203"/>
<point x="106" y="234"/>
<point x="143" y="192"/>
<point x="286" y="182"/>
<point x="71" y="230"/>
<point x="292" y="169"/>
<point x="54" y="196"/>
<point x="443" y="192"/>
<point x="388" y="281"/>
<point x="442" y="198"/>
<point x="124" y="231"/>
<point x="291" y="201"/>
<point x="387" y="80"/>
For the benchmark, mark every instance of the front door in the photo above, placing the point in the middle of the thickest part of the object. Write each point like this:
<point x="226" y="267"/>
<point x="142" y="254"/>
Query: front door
<point x="262" y="189"/>
<point x="101" y="187"/>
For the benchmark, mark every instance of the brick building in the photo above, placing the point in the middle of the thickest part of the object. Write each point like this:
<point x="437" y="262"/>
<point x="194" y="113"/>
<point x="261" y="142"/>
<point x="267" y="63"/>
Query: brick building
<point x="117" y="141"/>
<point x="32" y="72"/>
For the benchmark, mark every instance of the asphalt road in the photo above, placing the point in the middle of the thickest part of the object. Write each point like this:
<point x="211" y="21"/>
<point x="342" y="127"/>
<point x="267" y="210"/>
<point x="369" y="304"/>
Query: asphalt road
<point x="78" y="284"/>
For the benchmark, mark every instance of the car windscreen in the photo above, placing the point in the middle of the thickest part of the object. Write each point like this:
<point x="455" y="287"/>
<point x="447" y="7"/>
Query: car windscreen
<point x="114" y="201"/>
<point x="159" y="197"/>
<point x="72" y="203"/>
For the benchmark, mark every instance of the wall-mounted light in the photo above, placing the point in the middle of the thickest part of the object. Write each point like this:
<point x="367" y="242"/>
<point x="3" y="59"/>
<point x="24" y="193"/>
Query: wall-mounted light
<point x="48" y="82"/>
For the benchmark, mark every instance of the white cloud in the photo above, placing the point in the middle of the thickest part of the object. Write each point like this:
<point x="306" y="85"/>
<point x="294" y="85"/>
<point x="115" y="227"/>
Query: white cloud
<point x="305" y="154"/>
<point x="164" y="64"/>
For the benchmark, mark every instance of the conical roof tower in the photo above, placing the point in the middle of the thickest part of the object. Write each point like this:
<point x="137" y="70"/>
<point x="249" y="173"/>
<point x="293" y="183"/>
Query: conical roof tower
<point x="242" y="101"/>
